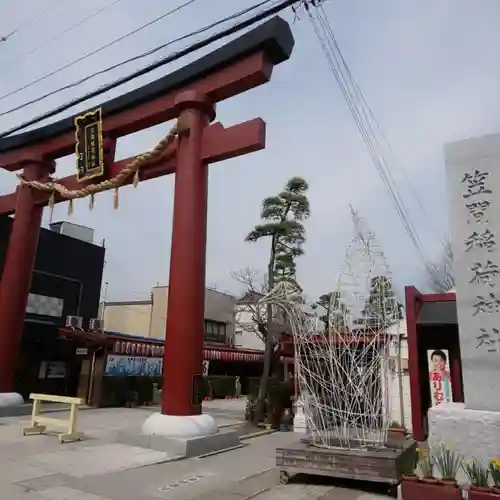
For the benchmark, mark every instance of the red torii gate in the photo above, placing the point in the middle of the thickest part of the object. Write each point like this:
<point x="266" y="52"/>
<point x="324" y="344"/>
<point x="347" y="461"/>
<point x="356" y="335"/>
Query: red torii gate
<point x="190" y="94"/>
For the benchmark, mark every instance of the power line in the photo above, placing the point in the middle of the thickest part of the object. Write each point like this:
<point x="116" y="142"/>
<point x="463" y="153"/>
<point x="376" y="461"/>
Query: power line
<point x="264" y="14"/>
<point x="376" y="123"/>
<point x="93" y="52"/>
<point x="67" y="30"/>
<point x="29" y="20"/>
<point x="132" y="59"/>
<point x="361" y="114"/>
<point x="127" y="61"/>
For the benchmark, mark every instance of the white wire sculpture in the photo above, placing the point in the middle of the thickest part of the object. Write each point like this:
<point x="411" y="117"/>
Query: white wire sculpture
<point x="343" y="371"/>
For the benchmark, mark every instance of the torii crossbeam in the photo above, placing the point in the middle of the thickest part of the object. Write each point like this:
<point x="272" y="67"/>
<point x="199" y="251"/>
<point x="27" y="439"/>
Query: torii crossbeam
<point x="188" y="94"/>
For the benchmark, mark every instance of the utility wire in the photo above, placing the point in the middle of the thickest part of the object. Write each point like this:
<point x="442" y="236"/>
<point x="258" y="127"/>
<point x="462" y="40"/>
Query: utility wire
<point x="93" y="52"/>
<point x="380" y="160"/>
<point x="366" y="130"/>
<point x="361" y="114"/>
<point x="126" y="61"/>
<point x="367" y="113"/>
<point x="29" y="20"/>
<point x="371" y="116"/>
<point x="82" y="21"/>
<point x="264" y="14"/>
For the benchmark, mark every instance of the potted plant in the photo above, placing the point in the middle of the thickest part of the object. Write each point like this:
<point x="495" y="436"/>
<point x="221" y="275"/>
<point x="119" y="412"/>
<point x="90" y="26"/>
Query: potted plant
<point x="494" y="470"/>
<point x="408" y="466"/>
<point x="396" y="431"/>
<point x="447" y="463"/>
<point x="429" y="487"/>
<point x="426" y="466"/>
<point x="412" y="485"/>
<point x="478" y="478"/>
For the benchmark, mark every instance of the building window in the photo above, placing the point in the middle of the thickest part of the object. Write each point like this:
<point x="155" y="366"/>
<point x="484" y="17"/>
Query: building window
<point x="215" y="331"/>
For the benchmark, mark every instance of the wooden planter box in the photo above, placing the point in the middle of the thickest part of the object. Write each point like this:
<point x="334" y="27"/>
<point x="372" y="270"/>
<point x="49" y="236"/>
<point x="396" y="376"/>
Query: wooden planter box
<point x="416" y="489"/>
<point x="396" y="433"/>
<point x="483" y="494"/>
<point x="376" y="465"/>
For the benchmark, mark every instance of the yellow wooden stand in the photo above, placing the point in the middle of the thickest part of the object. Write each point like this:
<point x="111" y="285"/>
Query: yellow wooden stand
<point x="39" y="422"/>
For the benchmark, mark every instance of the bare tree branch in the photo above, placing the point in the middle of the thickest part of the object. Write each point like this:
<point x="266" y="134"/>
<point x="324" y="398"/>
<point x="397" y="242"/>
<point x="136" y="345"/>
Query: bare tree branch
<point x="254" y="288"/>
<point x="252" y="280"/>
<point x="442" y="279"/>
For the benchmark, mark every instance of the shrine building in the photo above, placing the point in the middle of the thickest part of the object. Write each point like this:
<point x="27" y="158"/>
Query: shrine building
<point x="224" y="352"/>
<point x="125" y="353"/>
<point x="432" y="327"/>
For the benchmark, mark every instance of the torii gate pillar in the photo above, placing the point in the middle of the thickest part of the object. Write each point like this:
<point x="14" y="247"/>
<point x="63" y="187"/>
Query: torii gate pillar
<point x="183" y="359"/>
<point x="185" y="321"/>
<point x="16" y="277"/>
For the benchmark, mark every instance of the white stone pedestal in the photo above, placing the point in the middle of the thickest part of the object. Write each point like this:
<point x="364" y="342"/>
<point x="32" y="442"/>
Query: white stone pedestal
<point x="10" y="399"/>
<point x="299" y="418"/>
<point x="181" y="437"/>
<point x="12" y="405"/>
<point x="185" y="427"/>
<point x="475" y="434"/>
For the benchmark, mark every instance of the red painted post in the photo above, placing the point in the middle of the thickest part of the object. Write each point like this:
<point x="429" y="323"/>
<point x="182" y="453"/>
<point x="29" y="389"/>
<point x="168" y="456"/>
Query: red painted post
<point x="16" y="277"/>
<point x="417" y="416"/>
<point x="183" y="358"/>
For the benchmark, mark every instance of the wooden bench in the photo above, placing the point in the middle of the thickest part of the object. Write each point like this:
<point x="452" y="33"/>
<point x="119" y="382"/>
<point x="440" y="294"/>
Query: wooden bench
<point x="39" y="422"/>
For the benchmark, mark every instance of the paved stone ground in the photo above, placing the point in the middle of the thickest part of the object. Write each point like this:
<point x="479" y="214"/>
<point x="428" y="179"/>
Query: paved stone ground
<point x="38" y="467"/>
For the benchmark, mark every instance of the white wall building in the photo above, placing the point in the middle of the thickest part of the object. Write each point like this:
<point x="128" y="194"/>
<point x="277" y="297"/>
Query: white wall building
<point x="399" y="381"/>
<point x="246" y="335"/>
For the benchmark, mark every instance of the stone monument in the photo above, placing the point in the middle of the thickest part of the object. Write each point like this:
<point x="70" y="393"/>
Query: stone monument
<point x="473" y="181"/>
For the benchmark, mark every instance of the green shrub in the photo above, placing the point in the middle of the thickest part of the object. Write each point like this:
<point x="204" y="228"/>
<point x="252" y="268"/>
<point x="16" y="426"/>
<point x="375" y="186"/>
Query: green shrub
<point x="253" y="386"/>
<point x="280" y="398"/>
<point x="218" y="386"/>
<point x="117" y="390"/>
<point x="114" y="391"/>
<point x="144" y="388"/>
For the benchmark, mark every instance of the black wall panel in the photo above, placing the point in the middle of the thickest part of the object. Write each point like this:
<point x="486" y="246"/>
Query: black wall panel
<point x="65" y="267"/>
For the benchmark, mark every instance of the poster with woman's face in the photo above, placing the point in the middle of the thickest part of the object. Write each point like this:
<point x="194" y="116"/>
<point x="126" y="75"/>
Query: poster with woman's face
<point x="439" y="376"/>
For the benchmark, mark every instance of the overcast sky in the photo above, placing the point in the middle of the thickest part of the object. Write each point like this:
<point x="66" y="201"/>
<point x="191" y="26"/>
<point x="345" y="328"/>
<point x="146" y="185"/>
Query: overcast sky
<point x="428" y="69"/>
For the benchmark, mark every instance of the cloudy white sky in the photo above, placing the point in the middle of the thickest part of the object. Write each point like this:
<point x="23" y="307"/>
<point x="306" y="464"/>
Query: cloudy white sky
<point x="428" y="69"/>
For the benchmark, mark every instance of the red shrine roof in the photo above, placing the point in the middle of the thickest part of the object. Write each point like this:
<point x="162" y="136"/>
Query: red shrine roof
<point x="287" y="342"/>
<point x="122" y="343"/>
<point x="430" y="308"/>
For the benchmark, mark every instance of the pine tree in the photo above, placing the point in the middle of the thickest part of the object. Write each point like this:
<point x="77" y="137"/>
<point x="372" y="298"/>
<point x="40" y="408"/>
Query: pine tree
<point x="382" y="307"/>
<point x="324" y="302"/>
<point x="282" y="222"/>
<point x="335" y="311"/>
